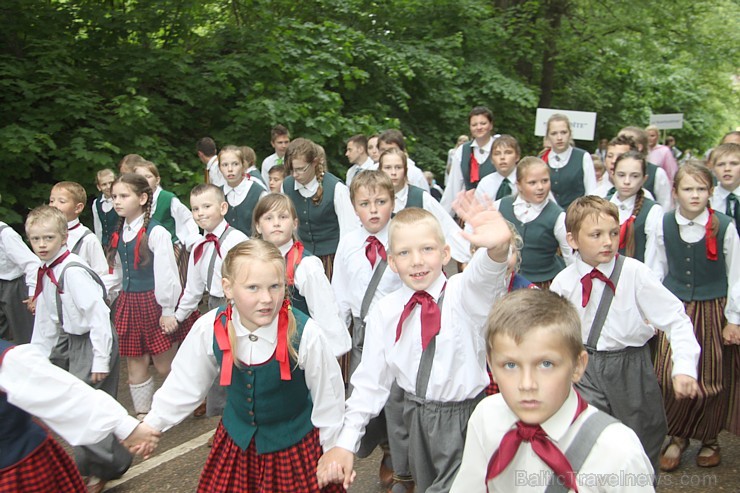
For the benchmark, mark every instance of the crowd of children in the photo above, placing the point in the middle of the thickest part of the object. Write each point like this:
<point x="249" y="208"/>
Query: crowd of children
<point x="332" y="328"/>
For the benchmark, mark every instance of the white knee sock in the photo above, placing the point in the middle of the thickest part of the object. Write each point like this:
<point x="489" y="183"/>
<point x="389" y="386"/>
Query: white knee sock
<point x="141" y="394"/>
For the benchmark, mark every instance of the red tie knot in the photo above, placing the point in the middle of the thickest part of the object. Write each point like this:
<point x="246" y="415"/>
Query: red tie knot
<point x="527" y="432"/>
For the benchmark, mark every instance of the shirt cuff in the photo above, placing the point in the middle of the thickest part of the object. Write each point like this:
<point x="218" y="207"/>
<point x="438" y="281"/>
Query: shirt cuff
<point x="732" y="317"/>
<point x="101" y="364"/>
<point x="127" y="426"/>
<point x="168" y="312"/>
<point x="155" y="421"/>
<point x="684" y="367"/>
<point x="348" y="439"/>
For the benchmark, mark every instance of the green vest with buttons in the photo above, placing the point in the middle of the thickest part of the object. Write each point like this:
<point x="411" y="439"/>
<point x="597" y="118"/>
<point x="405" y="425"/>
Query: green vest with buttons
<point x="691" y="276"/>
<point x="136" y="280"/>
<point x="639" y="228"/>
<point x="275" y="413"/>
<point x="539" y="260"/>
<point x="318" y="225"/>
<point x="567" y="182"/>
<point x="484" y="169"/>
<point x="240" y="217"/>
<point x="163" y="214"/>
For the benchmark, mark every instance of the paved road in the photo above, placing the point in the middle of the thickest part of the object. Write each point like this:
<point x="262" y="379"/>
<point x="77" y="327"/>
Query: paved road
<point x="177" y="464"/>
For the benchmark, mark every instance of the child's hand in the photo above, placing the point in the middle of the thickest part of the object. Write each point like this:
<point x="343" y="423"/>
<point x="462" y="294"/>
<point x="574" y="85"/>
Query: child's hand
<point x="143" y="440"/>
<point x="731" y="334"/>
<point x="335" y="466"/>
<point x="30" y="304"/>
<point x="490" y="229"/>
<point x="97" y="377"/>
<point x="168" y="324"/>
<point x="685" y="386"/>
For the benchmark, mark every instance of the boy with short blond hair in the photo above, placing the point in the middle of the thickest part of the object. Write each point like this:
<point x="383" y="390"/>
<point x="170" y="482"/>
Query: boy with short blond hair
<point x="105" y="219"/>
<point x="427" y="337"/>
<point x="725" y="163"/>
<point x="70" y="306"/>
<point x="70" y="198"/>
<point x="505" y="153"/>
<point x="536" y="355"/>
<point x="617" y="297"/>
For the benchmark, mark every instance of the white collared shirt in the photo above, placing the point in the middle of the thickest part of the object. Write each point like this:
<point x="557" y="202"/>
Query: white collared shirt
<point x="489" y="185"/>
<point x="198" y="273"/>
<point x="312" y="283"/>
<point x="61" y="400"/>
<point x="91" y="251"/>
<point x="195" y="368"/>
<point x="455" y="182"/>
<point x="640" y="296"/>
<point x="719" y="198"/>
<point x="559" y="160"/>
<point x="693" y="231"/>
<point x="459" y="369"/>
<point x="352" y="274"/>
<point x="267" y="164"/>
<point x="83" y="309"/>
<point x="459" y="246"/>
<point x="654" y="253"/>
<point x="185" y="228"/>
<point x="237" y="194"/>
<point x="616" y="451"/>
<point x="415" y="175"/>
<point x="214" y="172"/>
<point x="16" y="259"/>
<point x="167" y="287"/>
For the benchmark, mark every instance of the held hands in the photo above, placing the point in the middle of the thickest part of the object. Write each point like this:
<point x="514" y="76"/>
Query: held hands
<point x="143" y="440"/>
<point x="490" y="229"/>
<point x="168" y="324"/>
<point x="30" y="304"/>
<point x="731" y="334"/>
<point x="97" y="377"/>
<point x="685" y="387"/>
<point x="335" y="466"/>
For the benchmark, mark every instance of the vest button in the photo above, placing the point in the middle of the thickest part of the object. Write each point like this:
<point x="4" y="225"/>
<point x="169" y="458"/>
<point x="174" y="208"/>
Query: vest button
<point x="688" y="285"/>
<point x="253" y="423"/>
<point x="249" y="385"/>
<point x="249" y="372"/>
<point x="688" y="259"/>
<point x="249" y="399"/>
<point x="251" y="413"/>
<point x="688" y="272"/>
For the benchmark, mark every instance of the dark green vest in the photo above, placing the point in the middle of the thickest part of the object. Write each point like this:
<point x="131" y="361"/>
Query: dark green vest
<point x="639" y="228"/>
<point x="257" y="176"/>
<point x="163" y="214"/>
<point x="485" y="168"/>
<point x="415" y="197"/>
<point x="297" y="299"/>
<point x="567" y="182"/>
<point x="240" y="217"/>
<point x="136" y="280"/>
<point x="650" y="182"/>
<point x="318" y="225"/>
<point x="691" y="276"/>
<point x="108" y="222"/>
<point x="276" y="413"/>
<point x="539" y="261"/>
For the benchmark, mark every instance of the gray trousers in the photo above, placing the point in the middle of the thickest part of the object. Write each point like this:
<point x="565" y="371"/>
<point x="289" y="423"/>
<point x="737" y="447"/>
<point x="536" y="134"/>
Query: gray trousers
<point x="398" y="432"/>
<point x="16" y="322"/>
<point x="436" y="440"/>
<point x="216" y="399"/>
<point x="623" y="384"/>
<point x="107" y="459"/>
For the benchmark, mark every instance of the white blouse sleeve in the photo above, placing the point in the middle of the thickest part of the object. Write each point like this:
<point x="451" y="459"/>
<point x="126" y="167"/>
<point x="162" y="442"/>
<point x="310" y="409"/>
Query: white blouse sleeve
<point x="348" y="220"/>
<point x="654" y="252"/>
<point x="732" y="260"/>
<point x="562" y="236"/>
<point x="185" y="227"/>
<point x="167" y="287"/>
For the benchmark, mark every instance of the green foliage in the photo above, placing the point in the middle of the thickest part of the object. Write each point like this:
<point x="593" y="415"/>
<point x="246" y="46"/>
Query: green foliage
<point x="84" y="82"/>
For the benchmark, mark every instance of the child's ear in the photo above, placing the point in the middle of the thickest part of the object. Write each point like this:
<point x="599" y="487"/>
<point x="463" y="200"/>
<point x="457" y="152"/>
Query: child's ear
<point x="580" y="366"/>
<point x="572" y="240"/>
<point x="392" y="262"/>
<point x="79" y="208"/>
<point x="226" y="284"/>
<point x="224" y="207"/>
<point x="447" y="255"/>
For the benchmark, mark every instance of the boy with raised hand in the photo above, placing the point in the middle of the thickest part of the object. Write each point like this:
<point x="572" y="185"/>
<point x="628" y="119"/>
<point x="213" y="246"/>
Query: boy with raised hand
<point x="70" y="306"/>
<point x="543" y="428"/>
<point x="621" y="302"/>
<point x="428" y="337"/>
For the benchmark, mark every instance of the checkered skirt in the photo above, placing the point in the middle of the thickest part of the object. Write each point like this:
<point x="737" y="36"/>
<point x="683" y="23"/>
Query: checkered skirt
<point x="137" y="323"/>
<point x="293" y="470"/>
<point x="49" y="468"/>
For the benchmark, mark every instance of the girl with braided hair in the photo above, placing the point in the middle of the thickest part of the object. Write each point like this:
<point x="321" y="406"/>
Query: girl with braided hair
<point x="324" y="207"/>
<point x="146" y="272"/>
<point x="640" y="218"/>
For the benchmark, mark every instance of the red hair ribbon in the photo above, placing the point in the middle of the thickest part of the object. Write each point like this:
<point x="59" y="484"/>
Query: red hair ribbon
<point x="137" y="255"/>
<point x="292" y="259"/>
<point x="710" y="238"/>
<point x="281" y="353"/>
<point x="114" y="237"/>
<point x="220" y="328"/>
<point x="623" y="232"/>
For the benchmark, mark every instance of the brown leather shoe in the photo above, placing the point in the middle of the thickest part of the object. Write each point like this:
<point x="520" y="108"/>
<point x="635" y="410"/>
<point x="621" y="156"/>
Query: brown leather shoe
<point x="668" y="464"/>
<point x="712" y="460"/>
<point x="200" y="411"/>
<point x="401" y="485"/>
<point x="386" y="469"/>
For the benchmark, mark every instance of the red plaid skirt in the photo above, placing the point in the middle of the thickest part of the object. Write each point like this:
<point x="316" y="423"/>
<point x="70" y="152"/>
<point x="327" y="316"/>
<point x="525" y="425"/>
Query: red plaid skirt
<point x="48" y="468"/>
<point x="184" y="328"/>
<point x="293" y="470"/>
<point x="137" y="323"/>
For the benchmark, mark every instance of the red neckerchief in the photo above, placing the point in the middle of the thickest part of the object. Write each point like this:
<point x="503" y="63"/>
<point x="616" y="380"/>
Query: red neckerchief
<point x="623" y="232"/>
<point x="47" y="270"/>
<point x="292" y="259"/>
<point x="710" y="237"/>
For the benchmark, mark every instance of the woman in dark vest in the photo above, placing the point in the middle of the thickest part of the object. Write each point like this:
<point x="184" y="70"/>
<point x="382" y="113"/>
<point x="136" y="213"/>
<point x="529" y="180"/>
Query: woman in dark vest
<point x="573" y="172"/>
<point x="322" y="201"/>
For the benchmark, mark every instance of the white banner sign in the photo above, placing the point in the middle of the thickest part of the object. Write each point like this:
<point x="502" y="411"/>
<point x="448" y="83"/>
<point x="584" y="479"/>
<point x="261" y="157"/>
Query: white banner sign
<point x="667" y="121"/>
<point x="583" y="123"/>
